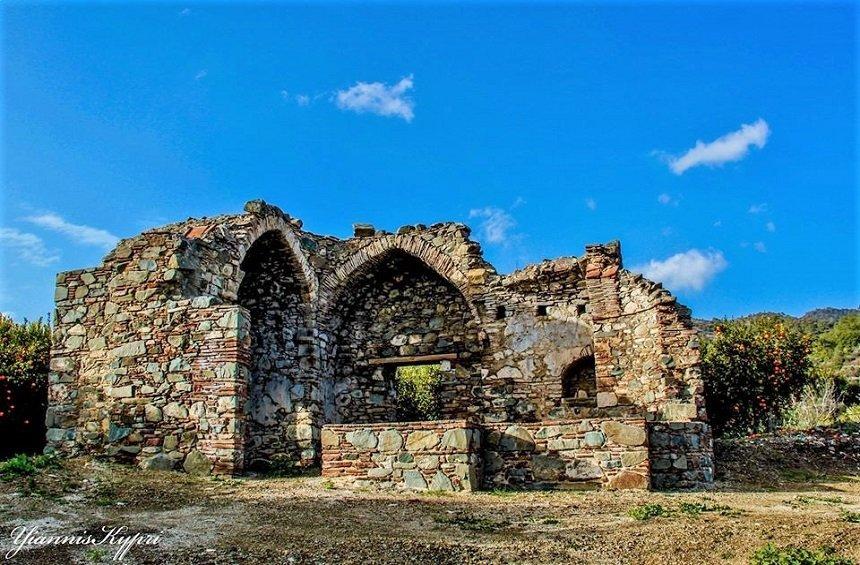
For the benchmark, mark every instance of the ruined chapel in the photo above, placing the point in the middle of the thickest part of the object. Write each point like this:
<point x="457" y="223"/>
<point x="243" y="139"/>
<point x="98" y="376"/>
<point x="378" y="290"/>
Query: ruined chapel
<point x="220" y="345"/>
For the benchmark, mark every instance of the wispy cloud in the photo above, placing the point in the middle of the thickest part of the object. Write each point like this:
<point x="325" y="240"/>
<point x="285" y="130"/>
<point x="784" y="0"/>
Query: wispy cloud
<point x="496" y="224"/>
<point x="201" y="74"/>
<point x="591" y="204"/>
<point x="185" y="12"/>
<point x="379" y="98"/>
<point x="733" y="146"/>
<point x="770" y="226"/>
<point x="757" y="208"/>
<point x="760" y="247"/>
<point x="666" y="199"/>
<point x="84" y="235"/>
<point x="27" y="246"/>
<point x="690" y="270"/>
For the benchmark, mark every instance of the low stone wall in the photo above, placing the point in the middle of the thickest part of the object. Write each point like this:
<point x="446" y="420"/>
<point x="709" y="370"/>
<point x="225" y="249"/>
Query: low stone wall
<point x="587" y="453"/>
<point x="437" y="455"/>
<point x="682" y="455"/>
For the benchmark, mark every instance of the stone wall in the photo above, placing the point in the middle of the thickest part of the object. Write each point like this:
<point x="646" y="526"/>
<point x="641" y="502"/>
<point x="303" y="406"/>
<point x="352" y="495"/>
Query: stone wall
<point x="438" y="455"/>
<point x="586" y="453"/>
<point x="682" y="455"/>
<point x="233" y="340"/>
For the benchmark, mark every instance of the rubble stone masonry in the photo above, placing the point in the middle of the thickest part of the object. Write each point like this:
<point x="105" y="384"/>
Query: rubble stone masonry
<point x="221" y="344"/>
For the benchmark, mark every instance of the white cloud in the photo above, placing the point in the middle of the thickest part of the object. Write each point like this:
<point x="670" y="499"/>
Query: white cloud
<point x="689" y="270"/>
<point x="770" y="226"/>
<point x="733" y="146"/>
<point x="84" y="235"/>
<point x="591" y="203"/>
<point x="201" y="74"/>
<point x="27" y="246"/>
<point x="757" y="208"/>
<point x="718" y="224"/>
<point x="303" y="99"/>
<point x="664" y="198"/>
<point x="378" y="98"/>
<point x="760" y="247"/>
<point x="185" y="12"/>
<point x="496" y="224"/>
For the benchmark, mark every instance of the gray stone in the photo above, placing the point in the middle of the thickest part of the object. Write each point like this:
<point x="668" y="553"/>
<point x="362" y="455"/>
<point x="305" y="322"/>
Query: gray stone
<point x="594" y="439"/>
<point x="547" y="468"/>
<point x="633" y="458"/>
<point x="197" y="464"/>
<point x="455" y="439"/>
<point x="516" y="438"/>
<point x="422" y="440"/>
<point x="116" y="433"/>
<point x="414" y="480"/>
<point x="158" y="462"/>
<point x="175" y="410"/>
<point x="379" y="472"/>
<point x="362" y="440"/>
<point x="624" y="434"/>
<point x="583" y="470"/>
<point x="152" y="413"/>
<point x="441" y="482"/>
<point x="606" y="399"/>
<point x="390" y="440"/>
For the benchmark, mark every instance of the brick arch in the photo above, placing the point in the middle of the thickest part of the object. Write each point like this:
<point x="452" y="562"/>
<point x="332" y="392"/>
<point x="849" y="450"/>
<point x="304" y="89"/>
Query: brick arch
<point x="375" y="252"/>
<point x="268" y="224"/>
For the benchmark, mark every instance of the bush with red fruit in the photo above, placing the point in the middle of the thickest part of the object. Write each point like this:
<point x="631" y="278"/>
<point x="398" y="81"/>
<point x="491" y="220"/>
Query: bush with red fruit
<point x="24" y="357"/>
<point x="753" y="369"/>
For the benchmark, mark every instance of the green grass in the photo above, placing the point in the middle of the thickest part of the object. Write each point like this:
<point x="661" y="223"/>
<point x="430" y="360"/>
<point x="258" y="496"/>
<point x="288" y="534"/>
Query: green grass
<point x="792" y="555"/>
<point x="853" y="517"/>
<point x="647" y="511"/>
<point x="95" y="554"/>
<point x="26" y="465"/>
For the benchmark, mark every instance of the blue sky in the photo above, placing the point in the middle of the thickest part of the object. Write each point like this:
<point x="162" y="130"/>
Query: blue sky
<point x="545" y="127"/>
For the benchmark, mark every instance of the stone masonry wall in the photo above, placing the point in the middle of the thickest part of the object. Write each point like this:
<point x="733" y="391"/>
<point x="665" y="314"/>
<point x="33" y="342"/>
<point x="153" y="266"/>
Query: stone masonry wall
<point x="439" y="455"/>
<point x="233" y="340"/>
<point x="586" y="453"/>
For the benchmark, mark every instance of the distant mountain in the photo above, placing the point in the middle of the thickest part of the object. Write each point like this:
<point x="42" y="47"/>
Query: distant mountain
<point x="816" y="321"/>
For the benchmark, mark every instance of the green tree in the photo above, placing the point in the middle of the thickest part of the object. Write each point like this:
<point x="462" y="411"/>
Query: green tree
<point x="837" y="351"/>
<point x="753" y="369"/>
<point x="25" y="351"/>
<point x="418" y="392"/>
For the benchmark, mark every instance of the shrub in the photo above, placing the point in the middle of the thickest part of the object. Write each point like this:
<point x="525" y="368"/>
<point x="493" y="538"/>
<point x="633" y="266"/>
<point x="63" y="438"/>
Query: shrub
<point x="647" y="511"/>
<point x="791" y="555"/>
<point x="753" y="369"/>
<point x="836" y="351"/>
<point x="24" y="465"/>
<point x="418" y="392"/>
<point x="24" y="357"/>
<point x="819" y="405"/>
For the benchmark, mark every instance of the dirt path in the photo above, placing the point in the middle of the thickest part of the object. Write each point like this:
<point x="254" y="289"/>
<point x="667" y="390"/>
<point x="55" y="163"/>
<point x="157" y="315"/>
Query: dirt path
<point x="309" y="520"/>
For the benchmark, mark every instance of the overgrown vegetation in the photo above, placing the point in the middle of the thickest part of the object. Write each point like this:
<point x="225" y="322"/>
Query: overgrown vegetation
<point x="647" y="511"/>
<point x="418" y="392"/>
<point x="25" y="351"/>
<point x="753" y="369"/>
<point x="25" y="465"/>
<point x="770" y="554"/>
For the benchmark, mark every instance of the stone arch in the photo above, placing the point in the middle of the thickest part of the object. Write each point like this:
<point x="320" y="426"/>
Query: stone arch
<point x="367" y="257"/>
<point x="282" y="364"/>
<point x="271" y="223"/>
<point x="579" y="382"/>
<point x="397" y="310"/>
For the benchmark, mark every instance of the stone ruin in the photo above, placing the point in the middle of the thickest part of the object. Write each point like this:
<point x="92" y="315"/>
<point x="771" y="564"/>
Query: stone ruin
<point x="218" y="345"/>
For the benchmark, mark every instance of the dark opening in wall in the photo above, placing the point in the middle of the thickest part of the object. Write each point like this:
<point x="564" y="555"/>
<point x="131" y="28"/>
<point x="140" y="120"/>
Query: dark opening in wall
<point x="541" y="310"/>
<point x="580" y="309"/>
<point x="579" y="382"/>
<point x="500" y="312"/>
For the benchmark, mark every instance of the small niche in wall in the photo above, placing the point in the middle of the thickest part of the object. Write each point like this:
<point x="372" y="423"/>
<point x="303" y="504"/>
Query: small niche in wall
<point x="580" y="309"/>
<point x="500" y="313"/>
<point x="579" y="382"/>
<point x="541" y="310"/>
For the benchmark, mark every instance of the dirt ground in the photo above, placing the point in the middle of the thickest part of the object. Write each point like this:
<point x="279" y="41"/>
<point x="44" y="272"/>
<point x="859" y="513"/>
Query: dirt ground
<point x="765" y="494"/>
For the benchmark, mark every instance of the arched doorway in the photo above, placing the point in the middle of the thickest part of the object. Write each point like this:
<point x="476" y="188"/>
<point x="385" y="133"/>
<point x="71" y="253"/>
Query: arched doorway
<point x="579" y="383"/>
<point x="282" y="367"/>
<point x="397" y="311"/>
